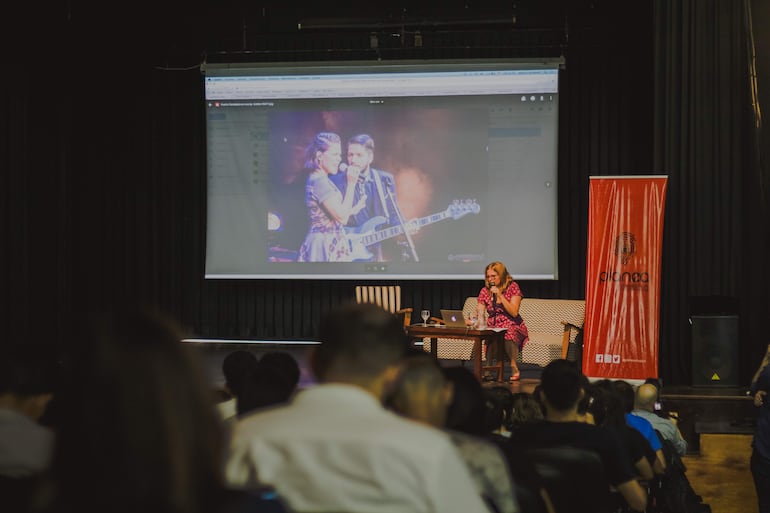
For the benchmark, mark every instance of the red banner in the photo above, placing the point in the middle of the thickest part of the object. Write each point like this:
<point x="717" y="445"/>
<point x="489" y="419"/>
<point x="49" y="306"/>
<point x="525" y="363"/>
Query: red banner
<point x="625" y="237"/>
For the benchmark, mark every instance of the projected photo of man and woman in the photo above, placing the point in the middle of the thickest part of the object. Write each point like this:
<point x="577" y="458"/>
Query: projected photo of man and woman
<point x="394" y="185"/>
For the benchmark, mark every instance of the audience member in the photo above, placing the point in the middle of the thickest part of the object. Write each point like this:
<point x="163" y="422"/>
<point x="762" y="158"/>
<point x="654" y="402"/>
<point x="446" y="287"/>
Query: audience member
<point x="25" y="445"/>
<point x="285" y="363"/>
<point x="466" y="414"/>
<point x="524" y="410"/>
<point x="612" y="416"/>
<point x="25" y="390"/>
<point x="760" y="455"/>
<point x="646" y="397"/>
<point x="266" y="385"/>
<point x="586" y="402"/>
<point x="137" y="430"/>
<point x="627" y="396"/>
<point x="498" y="401"/>
<point x="561" y="391"/>
<point x="466" y="409"/>
<point x="334" y="447"/>
<point x="236" y="368"/>
<point x="423" y="394"/>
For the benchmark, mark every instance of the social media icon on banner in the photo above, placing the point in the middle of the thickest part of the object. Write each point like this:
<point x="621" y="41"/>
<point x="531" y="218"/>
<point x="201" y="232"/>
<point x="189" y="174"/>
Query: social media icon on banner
<point x="616" y="358"/>
<point x="607" y="358"/>
<point x="599" y="358"/>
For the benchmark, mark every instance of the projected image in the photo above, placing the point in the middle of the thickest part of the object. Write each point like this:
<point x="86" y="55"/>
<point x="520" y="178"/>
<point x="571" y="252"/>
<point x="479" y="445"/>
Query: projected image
<point x="412" y="170"/>
<point x="394" y="185"/>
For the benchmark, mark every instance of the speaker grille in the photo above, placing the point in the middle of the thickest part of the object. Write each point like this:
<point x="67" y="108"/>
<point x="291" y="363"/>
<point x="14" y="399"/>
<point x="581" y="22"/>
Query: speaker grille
<point x="714" y="350"/>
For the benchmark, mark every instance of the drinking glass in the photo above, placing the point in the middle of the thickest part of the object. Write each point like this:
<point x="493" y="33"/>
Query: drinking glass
<point x="425" y="314"/>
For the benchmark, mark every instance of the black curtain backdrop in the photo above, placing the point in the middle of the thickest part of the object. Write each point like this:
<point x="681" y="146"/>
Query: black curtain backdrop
<point x="103" y="160"/>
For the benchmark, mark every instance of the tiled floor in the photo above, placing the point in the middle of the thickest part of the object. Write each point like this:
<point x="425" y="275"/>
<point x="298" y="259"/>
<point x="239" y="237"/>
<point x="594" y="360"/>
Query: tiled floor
<point x="720" y="473"/>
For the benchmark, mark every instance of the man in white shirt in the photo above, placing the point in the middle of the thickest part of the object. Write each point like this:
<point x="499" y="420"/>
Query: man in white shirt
<point x="644" y="405"/>
<point x="335" y="448"/>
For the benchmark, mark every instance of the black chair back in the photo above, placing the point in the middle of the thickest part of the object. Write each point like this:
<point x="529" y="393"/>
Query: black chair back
<point x="574" y="478"/>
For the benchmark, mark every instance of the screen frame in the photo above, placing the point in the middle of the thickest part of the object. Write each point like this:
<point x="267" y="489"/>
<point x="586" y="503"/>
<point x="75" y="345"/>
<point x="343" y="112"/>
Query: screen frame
<point x="226" y="67"/>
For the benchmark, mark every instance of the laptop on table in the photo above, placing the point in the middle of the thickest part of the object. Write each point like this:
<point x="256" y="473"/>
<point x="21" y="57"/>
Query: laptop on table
<point x="453" y="318"/>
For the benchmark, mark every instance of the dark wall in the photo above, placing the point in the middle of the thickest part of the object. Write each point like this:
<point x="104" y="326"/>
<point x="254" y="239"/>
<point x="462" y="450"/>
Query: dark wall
<point x="103" y="140"/>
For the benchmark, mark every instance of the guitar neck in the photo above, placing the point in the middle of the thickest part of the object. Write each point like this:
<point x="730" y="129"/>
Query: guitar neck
<point x="393" y="231"/>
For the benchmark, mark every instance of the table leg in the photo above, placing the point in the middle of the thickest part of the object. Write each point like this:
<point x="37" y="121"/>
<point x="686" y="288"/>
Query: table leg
<point x="477" y="357"/>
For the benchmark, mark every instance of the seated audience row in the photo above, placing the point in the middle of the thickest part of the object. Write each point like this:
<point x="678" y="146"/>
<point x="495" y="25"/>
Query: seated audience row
<point x="386" y="429"/>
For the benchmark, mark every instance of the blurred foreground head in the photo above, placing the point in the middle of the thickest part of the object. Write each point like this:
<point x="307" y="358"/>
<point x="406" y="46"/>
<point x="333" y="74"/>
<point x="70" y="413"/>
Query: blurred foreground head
<point x="358" y="343"/>
<point x="137" y="427"/>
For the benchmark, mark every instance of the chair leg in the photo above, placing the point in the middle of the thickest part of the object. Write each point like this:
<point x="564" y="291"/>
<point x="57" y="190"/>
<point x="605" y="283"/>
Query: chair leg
<point x="565" y="343"/>
<point x="499" y="366"/>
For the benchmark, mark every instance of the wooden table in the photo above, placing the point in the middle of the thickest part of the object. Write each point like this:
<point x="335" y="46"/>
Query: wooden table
<point x="436" y="331"/>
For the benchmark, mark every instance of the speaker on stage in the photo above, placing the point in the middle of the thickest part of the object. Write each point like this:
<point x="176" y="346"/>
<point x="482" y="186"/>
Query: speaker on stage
<point x="714" y="350"/>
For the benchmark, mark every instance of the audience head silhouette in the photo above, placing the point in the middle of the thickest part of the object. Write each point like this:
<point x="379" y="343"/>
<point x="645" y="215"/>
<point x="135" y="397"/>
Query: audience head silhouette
<point x="626" y="394"/>
<point x="467" y="408"/>
<point x="359" y="343"/>
<point x="235" y="367"/>
<point x="421" y="392"/>
<point x="607" y="406"/>
<point x="265" y="386"/>
<point x="497" y="408"/>
<point x="561" y="384"/>
<point x="284" y="363"/>
<point x="646" y="396"/>
<point x="524" y="409"/>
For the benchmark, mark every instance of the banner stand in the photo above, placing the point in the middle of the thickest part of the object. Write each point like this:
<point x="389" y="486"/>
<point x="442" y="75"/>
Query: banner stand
<point x="623" y="264"/>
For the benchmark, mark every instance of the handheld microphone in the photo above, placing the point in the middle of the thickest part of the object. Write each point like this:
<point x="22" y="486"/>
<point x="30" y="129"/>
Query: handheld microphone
<point x="494" y="296"/>
<point x="342" y="167"/>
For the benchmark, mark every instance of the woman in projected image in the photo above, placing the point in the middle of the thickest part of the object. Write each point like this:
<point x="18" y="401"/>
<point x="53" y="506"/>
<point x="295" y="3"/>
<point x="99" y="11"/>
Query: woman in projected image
<point x="328" y="209"/>
<point x="500" y="300"/>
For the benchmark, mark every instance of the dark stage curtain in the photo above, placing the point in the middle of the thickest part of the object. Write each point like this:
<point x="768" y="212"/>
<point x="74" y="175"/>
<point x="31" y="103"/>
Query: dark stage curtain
<point x="104" y="173"/>
<point x="716" y="217"/>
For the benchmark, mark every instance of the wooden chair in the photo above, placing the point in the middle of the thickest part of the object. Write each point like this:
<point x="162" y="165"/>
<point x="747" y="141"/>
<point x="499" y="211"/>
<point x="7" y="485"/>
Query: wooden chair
<point x="386" y="296"/>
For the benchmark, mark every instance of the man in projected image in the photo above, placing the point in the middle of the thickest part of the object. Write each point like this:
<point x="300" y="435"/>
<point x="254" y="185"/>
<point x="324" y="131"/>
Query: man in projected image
<point x="381" y="209"/>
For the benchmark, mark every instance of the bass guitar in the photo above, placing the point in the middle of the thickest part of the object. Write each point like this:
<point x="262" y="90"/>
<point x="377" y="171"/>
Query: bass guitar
<point x="361" y="237"/>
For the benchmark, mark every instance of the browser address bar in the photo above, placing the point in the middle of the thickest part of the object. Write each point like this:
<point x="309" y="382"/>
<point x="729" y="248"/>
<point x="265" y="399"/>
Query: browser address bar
<point x="331" y="87"/>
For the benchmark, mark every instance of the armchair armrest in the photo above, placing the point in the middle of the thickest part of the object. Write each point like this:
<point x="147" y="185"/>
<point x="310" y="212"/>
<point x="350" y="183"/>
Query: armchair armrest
<point x="568" y="326"/>
<point x="407" y="313"/>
